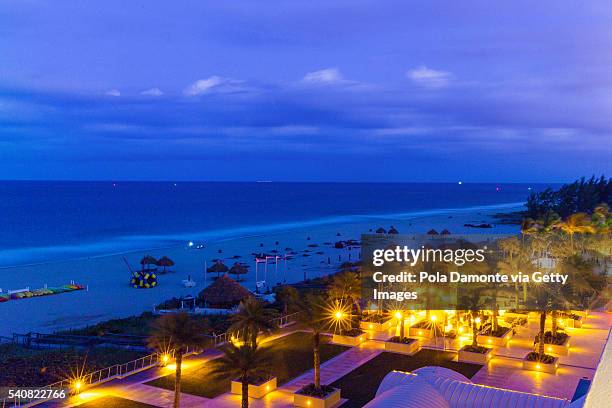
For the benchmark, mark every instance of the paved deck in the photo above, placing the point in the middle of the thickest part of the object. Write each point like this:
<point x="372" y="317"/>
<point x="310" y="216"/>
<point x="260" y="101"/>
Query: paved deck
<point x="504" y="370"/>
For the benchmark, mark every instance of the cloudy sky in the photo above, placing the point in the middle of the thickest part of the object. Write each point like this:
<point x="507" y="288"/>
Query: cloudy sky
<point x="305" y="90"/>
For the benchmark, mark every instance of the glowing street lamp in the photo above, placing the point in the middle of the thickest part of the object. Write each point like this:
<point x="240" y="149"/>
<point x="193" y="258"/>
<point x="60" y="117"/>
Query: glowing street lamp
<point x="77" y="386"/>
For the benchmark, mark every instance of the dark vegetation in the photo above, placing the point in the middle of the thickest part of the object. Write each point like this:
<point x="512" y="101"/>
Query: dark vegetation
<point x="26" y="367"/>
<point x="580" y="196"/>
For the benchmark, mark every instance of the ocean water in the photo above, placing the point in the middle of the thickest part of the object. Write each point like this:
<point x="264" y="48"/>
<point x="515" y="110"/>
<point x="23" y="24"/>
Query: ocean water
<point x="43" y="221"/>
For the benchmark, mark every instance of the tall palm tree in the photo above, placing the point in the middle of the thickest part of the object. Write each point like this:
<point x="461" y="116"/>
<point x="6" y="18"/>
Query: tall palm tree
<point x="251" y="319"/>
<point x="289" y="297"/>
<point x="346" y="286"/>
<point x="474" y="302"/>
<point x="313" y="316"/>
<point x="578" y="223"/>
<point x="541" y="301"/>
<point x="246" y="361"/>
<point x="178" y="332"/>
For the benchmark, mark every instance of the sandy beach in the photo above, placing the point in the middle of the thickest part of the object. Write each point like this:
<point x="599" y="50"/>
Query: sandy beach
<point x="108" y="294"/>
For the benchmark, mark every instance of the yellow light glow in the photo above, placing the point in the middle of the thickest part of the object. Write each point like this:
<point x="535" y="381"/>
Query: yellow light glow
<point x="448" y="327"/>
<point x="412" y="318"/>
<point x="477" y="320"/>
<point x="549" y="348"/>
<point x="434" y="318"/>
<point x="538" y="366"/>
<point x="489" y="341"/>
<point x="165" y="358"/>
<point x="420" y="332"/>
<point x="267" y="387"/>
<point x="308" y="402"/>
<point x="398" y="315"/>
<point x="338" y="315"/>
<point x="502" y="312"/>
<point x="371" y="326"/>
<point x="460" y="329"/>
<point x="88" y="395"/>
<point x="77" y="385"/>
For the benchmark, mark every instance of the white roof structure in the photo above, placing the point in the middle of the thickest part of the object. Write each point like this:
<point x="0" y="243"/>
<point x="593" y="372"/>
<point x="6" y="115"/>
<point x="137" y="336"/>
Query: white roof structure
<point x="600" y="393"/>
<point x="438" y="387"/>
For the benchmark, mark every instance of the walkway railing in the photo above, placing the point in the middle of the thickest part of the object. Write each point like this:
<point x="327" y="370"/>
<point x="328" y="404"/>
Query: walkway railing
<point x="131" y="367"/>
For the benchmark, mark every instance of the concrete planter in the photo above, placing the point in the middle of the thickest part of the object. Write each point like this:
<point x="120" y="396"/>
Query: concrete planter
<point x="379" y="327"/>
<point x="403" y="348"/>
<point x="517" y="315"/>
<point x="571" y="323"/>
<point x="550" y="368"/>
<point x="349" y="340"/>
<point x="495" y="341"/>
<point x="417" y="332"/>
<point x="306" y="401"/>
<point x="476" y="358"/>
<point x="559" y="349"/>
<point x="255" y="391"/>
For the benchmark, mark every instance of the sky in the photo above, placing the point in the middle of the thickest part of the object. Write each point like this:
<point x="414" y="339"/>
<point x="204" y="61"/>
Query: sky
<point x="505" y="91"/>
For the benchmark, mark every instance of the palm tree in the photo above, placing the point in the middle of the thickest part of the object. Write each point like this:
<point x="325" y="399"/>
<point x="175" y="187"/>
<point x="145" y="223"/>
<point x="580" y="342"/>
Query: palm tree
<point x="313" y="316"/>
<point x="473" y="302"/>
<point x="246" y="362"/>
<point x="529" y="226"/>
<point x="578" y="223"/>
<point x="251" y="319"/>
<point x="178" y="332"/>
<point x="288" y="296"/>
<point x="347" y="286"/>
<point x="541" y="301"/>
<point x="602" y="218"/>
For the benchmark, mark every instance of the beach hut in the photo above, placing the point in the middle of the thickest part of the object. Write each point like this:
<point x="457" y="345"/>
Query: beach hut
<point x="146" y="263"/>
<point x="445" y="232"/>
<point x="224" y="293"/>
<point x="381" y="230"/>
<point x="238" y="269"/>
<point x="219" y="267"/>
<point x="165" y="262"/>
<point x="392" y="230"/>
<point x="432" y="232"/>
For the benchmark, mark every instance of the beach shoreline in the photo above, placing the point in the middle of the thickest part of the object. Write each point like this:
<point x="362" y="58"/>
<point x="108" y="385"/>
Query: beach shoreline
<point x="109" y="296"/>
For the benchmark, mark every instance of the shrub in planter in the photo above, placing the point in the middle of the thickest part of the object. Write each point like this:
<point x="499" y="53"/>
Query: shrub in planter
<point x="259" y="386"/>
<point x="404" y="345"/>
<point x="311" y="397"/>
<point x="546" y="363"/>
<point x="558" y="344"/>
<point x="352" y="337"/>
<point x="475" y="354"/>
<point x="497" y="337"/>
<point x="425" y="328"/>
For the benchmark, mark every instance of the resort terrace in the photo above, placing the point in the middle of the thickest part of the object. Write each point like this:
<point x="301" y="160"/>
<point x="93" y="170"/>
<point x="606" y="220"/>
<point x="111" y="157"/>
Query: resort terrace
<point x="359" y="371"/>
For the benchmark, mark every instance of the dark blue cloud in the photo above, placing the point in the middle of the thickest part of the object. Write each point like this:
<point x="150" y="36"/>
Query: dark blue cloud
<point x="305" y="90"/>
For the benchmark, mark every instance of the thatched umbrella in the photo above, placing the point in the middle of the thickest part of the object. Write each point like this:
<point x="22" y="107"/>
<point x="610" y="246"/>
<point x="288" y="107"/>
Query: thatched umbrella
<point x="238" y="269"/>
<point x="445" y="232"/>
<point x="392" y="230"/>
<point x="381" y="230"/>
<point x="219" y="267"/>
<point x="148" y="260"/>
<point x="165" y="262"/>
<point x="432" y="232"/>
<point x="224" y="293"/>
